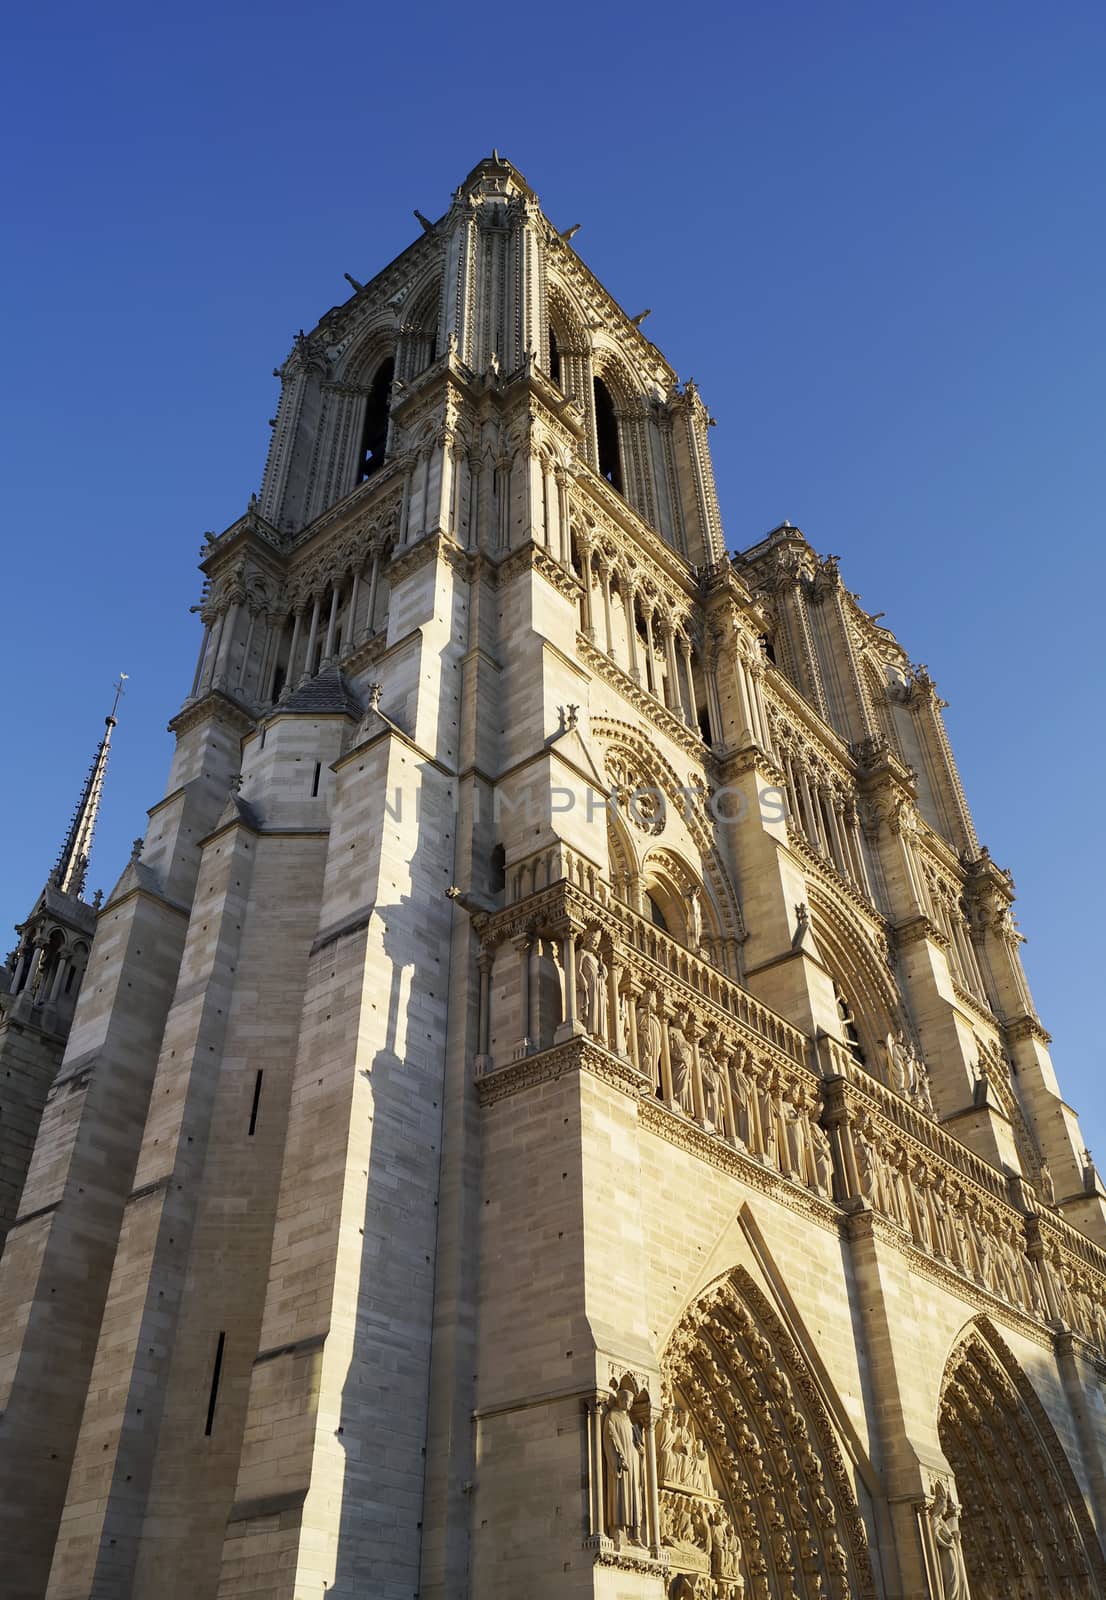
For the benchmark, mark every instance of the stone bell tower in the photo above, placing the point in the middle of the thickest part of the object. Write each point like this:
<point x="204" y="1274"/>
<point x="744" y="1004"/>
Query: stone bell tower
<point x="555" y="1109"/>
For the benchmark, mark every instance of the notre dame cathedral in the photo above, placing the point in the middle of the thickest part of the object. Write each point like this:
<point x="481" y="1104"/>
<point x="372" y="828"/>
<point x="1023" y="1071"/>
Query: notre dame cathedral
<point x="553" y="1107"/>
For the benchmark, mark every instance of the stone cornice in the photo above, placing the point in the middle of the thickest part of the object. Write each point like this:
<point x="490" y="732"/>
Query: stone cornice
<point x="433" y="546"/>
<point x="916" y="927"/>
<point x="214" y="706"/>
<point x="972" y="1003"/>
<point x="750" y="758"/>
<point x="678" y="1130"/>
<point x="531" y="557"/>
<point x="371" y="498"/>
<point x="632" y="537"/>
<point x="867" y="1223"/>
<point x="786" y="700"/>
<point x="834" y="882"/>
<point x="575" y="1055"/>
<point x="1026" y="1027"/>
<point x="643" y="702"/>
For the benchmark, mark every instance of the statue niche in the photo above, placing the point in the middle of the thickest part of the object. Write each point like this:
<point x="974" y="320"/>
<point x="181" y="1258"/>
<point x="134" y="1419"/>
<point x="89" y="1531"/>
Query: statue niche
<point x="624" y="1466"/>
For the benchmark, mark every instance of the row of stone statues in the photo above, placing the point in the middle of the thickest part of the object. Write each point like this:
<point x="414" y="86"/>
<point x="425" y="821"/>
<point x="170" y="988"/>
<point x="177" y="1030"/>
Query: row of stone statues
<point x="752" y="1104"/>
<point x="945" y="1217"/>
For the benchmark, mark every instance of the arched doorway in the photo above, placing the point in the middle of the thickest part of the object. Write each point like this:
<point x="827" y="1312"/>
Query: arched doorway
<point x="1024" y="1526"/>
<point x="753" y="1486"/>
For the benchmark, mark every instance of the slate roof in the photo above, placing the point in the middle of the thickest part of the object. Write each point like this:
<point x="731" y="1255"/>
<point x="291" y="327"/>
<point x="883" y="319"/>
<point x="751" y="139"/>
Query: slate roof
<point x="326" y="694"/>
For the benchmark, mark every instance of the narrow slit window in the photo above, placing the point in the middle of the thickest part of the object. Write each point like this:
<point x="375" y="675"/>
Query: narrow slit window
<point x="315" y="780"/>
<point x="215" y="1371"/>
<point x="256" y="1101"/>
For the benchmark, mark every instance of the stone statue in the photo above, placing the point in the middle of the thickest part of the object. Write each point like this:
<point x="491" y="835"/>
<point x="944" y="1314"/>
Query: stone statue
<point x="712" y="1091"/>
<point x="794" y="1155"/>
<point x="589" y="985"/>
<point x="946" y="1535"/>
<point x="650" y="1043"/>
<point x="1048" y="1188"/>
<point x="624" y="1453"/>
<point x="725" y="1547"/>
<point x="821" y="1159"/>
<point x="679" y="1050"/>
<point x="694" y="919"/>
<point x="767" y="1100"/>
<point x="742" y="1102"/>
<point x="868" y="1167"/>
<point x="895" y="1045"/>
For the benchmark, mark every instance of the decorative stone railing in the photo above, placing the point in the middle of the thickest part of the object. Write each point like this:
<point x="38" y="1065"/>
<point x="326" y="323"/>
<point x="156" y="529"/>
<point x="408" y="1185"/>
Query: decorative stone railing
<point x="561" y="965"/>
<point x="572" y="933"/>
<point x="956" y="1208"/>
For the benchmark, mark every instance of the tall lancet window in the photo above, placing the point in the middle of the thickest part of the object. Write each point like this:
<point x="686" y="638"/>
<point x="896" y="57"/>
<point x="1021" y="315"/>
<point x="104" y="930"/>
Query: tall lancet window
<point x="554" y="358"/>
<point x="606" y="436"/>
<point x="374" y="436"/>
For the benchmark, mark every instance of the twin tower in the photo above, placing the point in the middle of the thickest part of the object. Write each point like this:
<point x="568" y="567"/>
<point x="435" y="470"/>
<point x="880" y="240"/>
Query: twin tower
<point x="553" y="1107"/>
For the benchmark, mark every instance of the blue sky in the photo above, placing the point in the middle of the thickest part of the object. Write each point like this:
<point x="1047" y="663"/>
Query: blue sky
<point x="873" y="234"/>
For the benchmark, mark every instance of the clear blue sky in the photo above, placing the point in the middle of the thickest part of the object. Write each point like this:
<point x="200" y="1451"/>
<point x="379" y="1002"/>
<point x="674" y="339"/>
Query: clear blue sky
<point x="873" y="233"/>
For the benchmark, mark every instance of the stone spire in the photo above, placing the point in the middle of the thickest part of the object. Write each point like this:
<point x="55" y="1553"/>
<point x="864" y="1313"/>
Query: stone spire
<point x="71" y="867"/>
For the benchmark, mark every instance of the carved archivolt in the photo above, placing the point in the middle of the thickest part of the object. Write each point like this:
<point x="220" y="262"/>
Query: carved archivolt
<point x="755" y="1467"/>
<point x="1023" y="1522"/>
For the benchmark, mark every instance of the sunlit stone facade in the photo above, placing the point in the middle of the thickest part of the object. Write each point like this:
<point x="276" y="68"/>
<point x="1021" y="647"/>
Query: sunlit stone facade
<point x="554" y="1108"/>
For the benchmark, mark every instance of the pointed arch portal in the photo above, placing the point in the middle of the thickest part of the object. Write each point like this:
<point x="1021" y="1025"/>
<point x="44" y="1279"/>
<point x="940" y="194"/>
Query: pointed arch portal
<point x="1023" y="1522"/>
<point x="754" y="1493"/>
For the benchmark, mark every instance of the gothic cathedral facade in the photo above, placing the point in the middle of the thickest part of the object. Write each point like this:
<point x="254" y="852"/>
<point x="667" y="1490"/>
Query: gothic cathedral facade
<point x="554" y="1107"/>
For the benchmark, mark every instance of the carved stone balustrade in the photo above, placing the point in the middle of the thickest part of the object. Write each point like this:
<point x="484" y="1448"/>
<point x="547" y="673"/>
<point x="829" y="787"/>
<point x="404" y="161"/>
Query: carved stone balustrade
<point x="954" y="1207"/>
<point x="722" y="1074"/>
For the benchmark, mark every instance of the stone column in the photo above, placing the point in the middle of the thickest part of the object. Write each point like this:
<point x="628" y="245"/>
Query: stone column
<point x="726" y="1080"/>
<point x="631" y="1012"/>
<point x="331" y="628"/>
<point x="689" y="692"/>
<point x="61" y="966"/>
<point x="202" y="660"/>
<point x="564" y="517"/>
<point x="570" y="1023"/>
<point x="312" y="636"/>
<point x="696" y="1073"/>
<point x="297" y="623"/>
<point x="650" y="658"/>
<point x="374" y="581"/>
<point x="523" y="946"/>
<point x="533" y="992"/>
<point x="614" y="1026"/>
<point x="485" y="963"/>
<point x="629" y="593"/>
<point x="596" y="1407"/>
<point x="226" y="639"/>
<point x="244" y="668"/>
<point x="666" y="1064"/>
<point x="585" y="563"/>
<point x="605" y="582"/>
<point x="351" y="614"/>
<point x="672" y="678"/>
<point x="652" y="1495"/>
